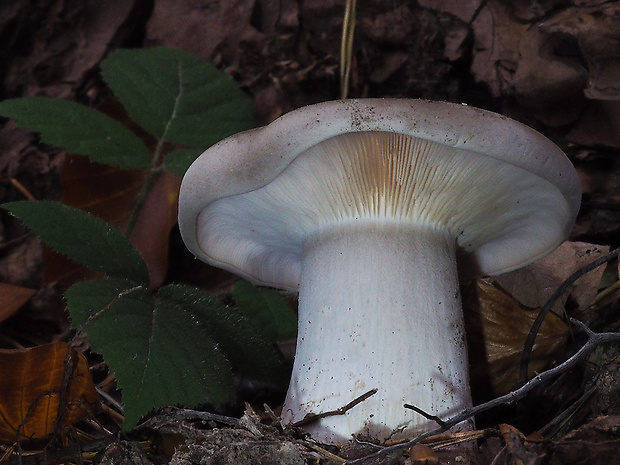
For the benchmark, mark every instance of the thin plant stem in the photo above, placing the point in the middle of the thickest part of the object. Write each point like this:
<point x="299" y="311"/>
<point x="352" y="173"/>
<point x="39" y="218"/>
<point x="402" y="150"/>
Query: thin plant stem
<point x="151" y="177"/>
<point x="156" y="163"/>
<point x="346" y="47"/>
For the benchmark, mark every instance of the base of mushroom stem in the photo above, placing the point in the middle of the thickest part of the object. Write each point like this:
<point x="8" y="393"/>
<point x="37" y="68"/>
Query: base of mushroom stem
<point x="375" y="433"/>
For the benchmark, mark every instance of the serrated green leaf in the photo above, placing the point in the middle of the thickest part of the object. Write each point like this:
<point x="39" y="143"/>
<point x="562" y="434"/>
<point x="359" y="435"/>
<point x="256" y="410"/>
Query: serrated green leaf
<point x="178" y="161"/>
<point x="82" y="237"/>
<point x="177" y="96"/>
<point x="267" y="311"/>
<point x="158" y="349"/>
<point x="79" y="130"/>
<point x="247" y="350"/>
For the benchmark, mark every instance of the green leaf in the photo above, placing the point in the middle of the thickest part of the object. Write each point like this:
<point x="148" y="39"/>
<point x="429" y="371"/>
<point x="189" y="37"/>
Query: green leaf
<point x="157" y="348"/>
<point x="248" y="352"/>
<point x="267" y="311"/>
<point x="82" y="237"/>
<point x="79" y="130"/>
<point x="177" y="96"/>
<point x="178" y="161"/>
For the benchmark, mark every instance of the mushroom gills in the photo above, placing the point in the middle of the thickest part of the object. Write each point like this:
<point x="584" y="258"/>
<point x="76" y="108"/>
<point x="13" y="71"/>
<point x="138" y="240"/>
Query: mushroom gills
<point x="491" y="207"/>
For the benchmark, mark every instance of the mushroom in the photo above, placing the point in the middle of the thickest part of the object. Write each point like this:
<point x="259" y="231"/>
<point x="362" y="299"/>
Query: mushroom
<point x="363" y="206"/>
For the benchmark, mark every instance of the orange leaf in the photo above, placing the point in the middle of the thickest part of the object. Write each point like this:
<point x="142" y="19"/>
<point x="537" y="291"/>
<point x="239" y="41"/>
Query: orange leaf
<point x="504" y="325"/>
<point x="535" y="283"/>
<point x="12" y="298"/>
<point x="521" y="450"/>
<point x="33" y="382"/>
<point x="112" y="194"/>
<point x="152" y="231"/>
<point x="422" y="454"/>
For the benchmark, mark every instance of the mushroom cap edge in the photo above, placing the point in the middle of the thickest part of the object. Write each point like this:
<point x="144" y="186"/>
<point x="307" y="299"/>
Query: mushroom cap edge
<point x="249" y="160"/>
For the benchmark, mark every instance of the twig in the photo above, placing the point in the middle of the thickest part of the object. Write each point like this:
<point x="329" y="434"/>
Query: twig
<point x="531" y="337"/>
<point x="552" y="428"/>
<point x="272" y="416"/>
<point x="22" y="189"/>
<point x="16" y="240"/>
<point x="111" y="400"/>
<point x="428" y="416"/>
<point x="594" y="340"/>
<point x="312" y="417"/>
<point x="325" y="453"/>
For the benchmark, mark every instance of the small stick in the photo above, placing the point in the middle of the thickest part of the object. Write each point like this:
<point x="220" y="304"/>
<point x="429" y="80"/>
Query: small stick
<point x="428" y="416"/>
<point x="272" y="416"/>
<point x="21" y="188"/>
<point x="325" y="453"/>
<point x="311" y="417"/>
<point x="594" y="340"/>
<point x="531" y="337"/>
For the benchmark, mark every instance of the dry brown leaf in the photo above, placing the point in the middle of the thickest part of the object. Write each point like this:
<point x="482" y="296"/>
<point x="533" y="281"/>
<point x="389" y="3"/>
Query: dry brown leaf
<point x="503" y="326"/>
<point x="547" y="85"/>
<point x="12" y="298"/>
<point x="595" y="443"/>
<point x="551" y="60"/>
<point x="152" y="231"/>
<point x="456" y="35"/>
<point x="421" y="454"/>
<point x="101" y="190"/>
<point x="599" y="125"/>
<point x="534" y="284"/>
<point x="596" y="30"/>
<point x="464" y="10"/>
<point x="496" y="37"/>
<point x="521" y="450"/>
<point x="524" y="59"/>
<point x="182" y="25"/>
<point x="111" y="194"/>
<point x="60" y="42"/>
<point x="33" y="382"/>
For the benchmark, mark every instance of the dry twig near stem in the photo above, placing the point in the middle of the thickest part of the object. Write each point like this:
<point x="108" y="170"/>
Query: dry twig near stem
<point x="531" y="337"/>
<point x="341" y="411"/>
<point x="594" y="340"/>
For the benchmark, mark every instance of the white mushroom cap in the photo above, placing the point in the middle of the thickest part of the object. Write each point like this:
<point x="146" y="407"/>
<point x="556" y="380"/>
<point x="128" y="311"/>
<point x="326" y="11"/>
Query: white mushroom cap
<point x="507" y="193"/>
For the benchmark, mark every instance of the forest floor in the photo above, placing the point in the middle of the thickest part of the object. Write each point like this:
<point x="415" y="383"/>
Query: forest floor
<point x="554" y="66"/>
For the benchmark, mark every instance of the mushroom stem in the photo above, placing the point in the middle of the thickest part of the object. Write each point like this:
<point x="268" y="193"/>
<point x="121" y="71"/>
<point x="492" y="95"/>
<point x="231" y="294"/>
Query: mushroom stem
<point x="379" y="307"/>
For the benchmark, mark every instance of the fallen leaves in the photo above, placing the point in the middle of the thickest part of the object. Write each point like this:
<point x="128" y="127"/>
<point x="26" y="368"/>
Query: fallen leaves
<point x="182" y="25"/>
<point x="595" y="443"/>
<point x="577" y="46"/>
<point x="12" y="298"/>
<point x="505" y="325"/>
<point x="41" y="389"/>
<point x="504" y="309"/>
<point x="535" y="283"/>
<point x="551" y="60"/>
<point x="59" y="42"/>
<point x="111" y="194"/>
